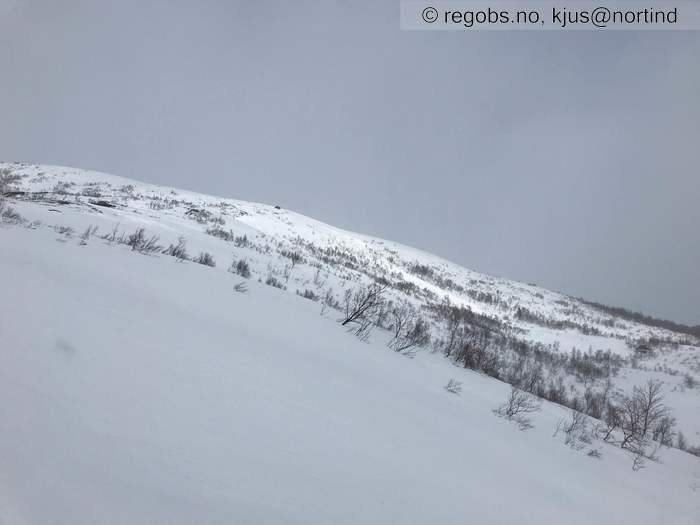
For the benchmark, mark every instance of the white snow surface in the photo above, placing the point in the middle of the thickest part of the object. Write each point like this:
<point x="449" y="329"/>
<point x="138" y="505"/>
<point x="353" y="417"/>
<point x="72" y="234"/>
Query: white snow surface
<point x="138" y="390"/>
<point x="134" y="389"/>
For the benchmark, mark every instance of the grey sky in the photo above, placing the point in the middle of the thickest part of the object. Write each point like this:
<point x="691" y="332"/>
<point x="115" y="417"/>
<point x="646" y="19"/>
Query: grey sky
<point x="561" y="158"/>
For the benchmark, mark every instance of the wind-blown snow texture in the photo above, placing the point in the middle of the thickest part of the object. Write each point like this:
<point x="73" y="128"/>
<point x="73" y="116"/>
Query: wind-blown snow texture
<point x="137" y="390"/>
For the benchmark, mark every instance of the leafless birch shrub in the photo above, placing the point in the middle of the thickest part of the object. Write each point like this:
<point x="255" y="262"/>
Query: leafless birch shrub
<point x="361" y="308"/>
<point x="644" y="418"/>
<point x="575" y="430"/>
<point x="517" y="406"/>
<point x="409" y="330"/>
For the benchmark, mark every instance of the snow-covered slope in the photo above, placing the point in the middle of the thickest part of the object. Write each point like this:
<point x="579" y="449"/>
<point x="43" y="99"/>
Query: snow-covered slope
<point x="165" y="210"/>
<point x="136" y="389"/>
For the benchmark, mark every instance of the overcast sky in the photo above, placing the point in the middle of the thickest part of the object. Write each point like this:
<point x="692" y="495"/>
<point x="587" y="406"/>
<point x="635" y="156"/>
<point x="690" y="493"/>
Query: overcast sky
<point x="561" y="158"/>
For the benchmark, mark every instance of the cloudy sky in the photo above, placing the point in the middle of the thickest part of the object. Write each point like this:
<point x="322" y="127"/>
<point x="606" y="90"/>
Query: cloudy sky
<point x="561" y="158"/>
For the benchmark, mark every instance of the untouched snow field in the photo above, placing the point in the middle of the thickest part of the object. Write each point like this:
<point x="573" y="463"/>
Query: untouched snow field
<point x="134" y="389"/>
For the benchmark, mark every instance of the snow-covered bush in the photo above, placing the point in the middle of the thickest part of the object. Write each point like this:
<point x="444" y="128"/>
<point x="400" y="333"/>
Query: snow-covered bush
<point x="8" y="214"/>
<point x="64" y="230"/>
<point x="89" y="232"/>
<point x="272" y="281"/>
<point x="179" y="250"/>
<point x="294" y="256"/>
<point x="205" y="258"/>
<point x="142" y="244"/>
<point x="240" y="267"/>
<point x="241" y="241"/>
<point x="308" y="294"/>
<point x="218" y="231"/>
<point x="7" y="180"/>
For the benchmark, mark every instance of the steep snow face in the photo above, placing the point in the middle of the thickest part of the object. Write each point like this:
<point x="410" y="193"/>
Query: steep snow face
<point x="137" y="390"/>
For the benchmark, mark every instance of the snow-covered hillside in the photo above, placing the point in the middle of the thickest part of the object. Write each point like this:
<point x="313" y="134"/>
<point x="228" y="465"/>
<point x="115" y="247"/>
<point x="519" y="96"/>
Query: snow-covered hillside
<point x="172" y="212"/>
<point x="140" y="390"/>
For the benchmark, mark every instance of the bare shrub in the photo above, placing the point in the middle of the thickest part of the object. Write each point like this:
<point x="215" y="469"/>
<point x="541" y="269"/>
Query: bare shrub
<point x="179" y="250"/>
<point x="128" y="189"/>
<point x="202" y="216"/>
<point x="241" y="268"/>
<point x="217" y="231"/>
<point x="638" y="462"/>
<point x="61" y="188"/>
<point x="205" y="258"/>
<point x="112" y="236"/>
<point x="8" y="214"/>
<point x="7" y="180"/>
<point x="156" y="204"/>
<point x="142" y="244"/>
<point x="663" y="432"/>
<point x="644" y="416"/>
<point x="308" y="294"/>
<point x="64" y="230"/>
<point x="241" y="287"/>
<point x="362" y="303"/>
<point x="294" y="256"/>
<point x="241" y="241"/>
<point x="272" y="281"/>
<point x="317" y="278"/>
<point x="517" y="406"/>
<point x="643" y="420"/>
<point x="575" y="430"/>
<point x="594" y="453"/>
<point x="454" y="329"/>
<point x="682" y="444"/>
<point x="454" y="387"/>
<point x="89" y="232"/>
<point x="91" y="192"/>
<point x="611" y="422"/>
<point x="409" y="330"/>
<point x="329" y="301"/>
<point x="421" y="269"/>
<point x="689" y="381"/>
<point x="361" y="308"/>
